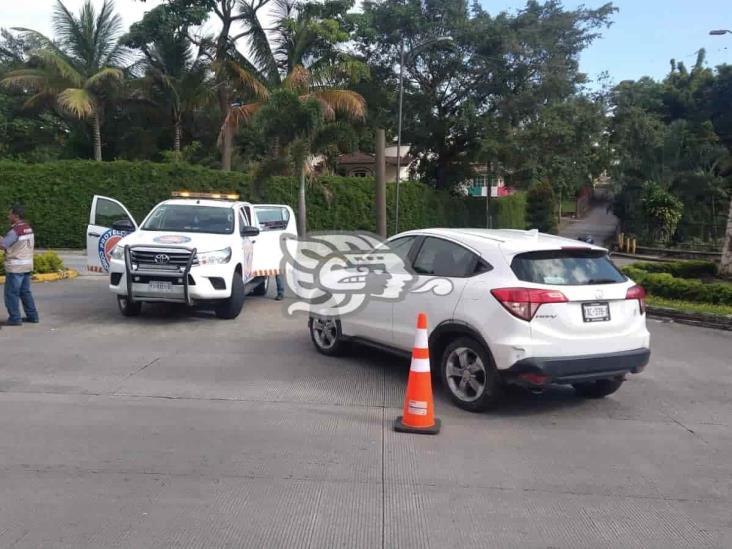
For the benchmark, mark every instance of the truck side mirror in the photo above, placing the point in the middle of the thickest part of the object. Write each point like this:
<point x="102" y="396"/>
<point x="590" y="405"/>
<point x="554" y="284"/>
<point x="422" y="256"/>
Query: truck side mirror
<point x="123" y="225"/>
<point x="247" y="230"/>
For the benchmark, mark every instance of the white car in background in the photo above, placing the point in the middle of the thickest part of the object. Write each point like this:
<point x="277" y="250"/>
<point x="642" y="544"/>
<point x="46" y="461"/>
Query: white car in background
<point x="526" y="308"/>
<point x="197" y="249"/>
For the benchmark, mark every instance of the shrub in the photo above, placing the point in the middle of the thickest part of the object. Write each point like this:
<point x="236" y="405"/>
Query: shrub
<point x="666" y="285"/>
<point x="540" y="202"/>
<point x="58" y="195"/>
<point x="681" y="269"/>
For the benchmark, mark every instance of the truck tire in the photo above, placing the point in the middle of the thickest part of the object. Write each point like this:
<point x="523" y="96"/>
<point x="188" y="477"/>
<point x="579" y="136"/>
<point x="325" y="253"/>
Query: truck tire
<point x="261" y="288"/>
<point x="598" y="389"/>
<point x="230" y="309"/>
<point x="127" y="307"/>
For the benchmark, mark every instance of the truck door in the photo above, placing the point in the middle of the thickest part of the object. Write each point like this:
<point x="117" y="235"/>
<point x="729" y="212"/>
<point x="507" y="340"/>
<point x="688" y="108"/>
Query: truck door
<point x="273" y="221"/>
<point x="109" y="222"/>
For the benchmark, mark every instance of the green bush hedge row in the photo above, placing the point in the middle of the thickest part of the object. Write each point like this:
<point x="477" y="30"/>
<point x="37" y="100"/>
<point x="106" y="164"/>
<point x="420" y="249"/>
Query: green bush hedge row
<point x="666" y="285"/>
<point x="57" y="197"/>
<point x="48" y="262"/>
<point x="682" y="269"/>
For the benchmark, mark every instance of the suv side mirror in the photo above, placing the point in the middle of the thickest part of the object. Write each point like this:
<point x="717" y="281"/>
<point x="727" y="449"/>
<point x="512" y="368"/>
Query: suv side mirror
<point x="247" y="230"/>
<point x="123" y="225"/>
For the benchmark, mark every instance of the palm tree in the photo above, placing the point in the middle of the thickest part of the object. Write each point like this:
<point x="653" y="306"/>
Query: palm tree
<point x="296" y="56"/>
<point x="75" y="71"/>
<point x="177" y="78"/>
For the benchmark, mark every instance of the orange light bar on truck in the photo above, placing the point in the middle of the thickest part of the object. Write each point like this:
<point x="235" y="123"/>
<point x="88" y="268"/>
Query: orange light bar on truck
<point x="214" y="196"/>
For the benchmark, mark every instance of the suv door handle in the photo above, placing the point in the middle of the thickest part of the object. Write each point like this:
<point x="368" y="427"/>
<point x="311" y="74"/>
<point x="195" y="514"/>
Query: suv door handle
<point x="94" y="234"/>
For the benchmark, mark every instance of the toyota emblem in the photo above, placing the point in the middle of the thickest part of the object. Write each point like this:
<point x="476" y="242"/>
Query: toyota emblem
<point x="162" y="259"/>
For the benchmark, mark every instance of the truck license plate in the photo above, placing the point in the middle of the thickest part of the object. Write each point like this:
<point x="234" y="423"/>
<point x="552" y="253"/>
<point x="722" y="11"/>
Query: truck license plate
<point x="595" y="312"/>
<point x="161" y="286"/>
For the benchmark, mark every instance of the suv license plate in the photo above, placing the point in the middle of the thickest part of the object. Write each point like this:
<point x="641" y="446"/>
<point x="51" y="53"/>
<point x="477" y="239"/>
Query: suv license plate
<point x="160" y="286"/>
<point x="595" y="312"/>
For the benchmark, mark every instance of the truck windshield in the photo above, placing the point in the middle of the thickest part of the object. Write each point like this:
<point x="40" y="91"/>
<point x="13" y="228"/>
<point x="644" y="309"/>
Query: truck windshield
<point x="184" y="218"/>
<point x="566" y="268"/>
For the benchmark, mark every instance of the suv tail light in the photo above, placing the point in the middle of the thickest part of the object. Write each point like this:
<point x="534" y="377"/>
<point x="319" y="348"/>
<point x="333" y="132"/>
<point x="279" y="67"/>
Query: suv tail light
<point x="524" y="302"/>
<point x="637" y="292"/>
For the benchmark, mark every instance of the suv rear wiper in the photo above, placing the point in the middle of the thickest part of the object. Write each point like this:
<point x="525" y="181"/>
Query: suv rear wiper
<point x="602" y="281"/>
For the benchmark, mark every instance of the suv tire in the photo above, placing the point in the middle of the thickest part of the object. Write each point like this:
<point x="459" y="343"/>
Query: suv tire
<point x="230" y="309"/>
<point x="326" y="335"/>
<point x="598" y="389"/>
<point x="127" y="307"/>
<point x="261" y="288"/>
<point x="470" y="376"/>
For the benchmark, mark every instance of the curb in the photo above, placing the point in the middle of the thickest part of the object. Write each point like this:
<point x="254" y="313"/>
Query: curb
<point x="704" y="320"/>
<point x="50" y="277"/>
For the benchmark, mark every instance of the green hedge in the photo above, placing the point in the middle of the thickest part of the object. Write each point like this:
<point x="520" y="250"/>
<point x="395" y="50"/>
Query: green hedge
<point x="680" y="269"/>
<point x="57" y="197"/>
<point x="48" y="262"/>
<point x="666" y="285"/>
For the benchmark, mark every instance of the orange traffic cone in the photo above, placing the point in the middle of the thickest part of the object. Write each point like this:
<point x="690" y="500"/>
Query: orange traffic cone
<point x="419" y="408"/>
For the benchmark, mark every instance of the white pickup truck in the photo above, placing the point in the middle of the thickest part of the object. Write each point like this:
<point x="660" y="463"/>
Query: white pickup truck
<point x="197" y="249"/>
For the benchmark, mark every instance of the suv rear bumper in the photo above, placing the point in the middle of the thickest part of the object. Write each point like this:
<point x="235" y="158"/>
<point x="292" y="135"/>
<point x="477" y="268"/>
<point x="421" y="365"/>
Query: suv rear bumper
<point x="575" y="369"/>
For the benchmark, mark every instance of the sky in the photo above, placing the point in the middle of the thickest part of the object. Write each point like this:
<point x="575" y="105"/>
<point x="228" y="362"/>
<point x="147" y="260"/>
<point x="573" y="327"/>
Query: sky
<point x="645" y="34"/>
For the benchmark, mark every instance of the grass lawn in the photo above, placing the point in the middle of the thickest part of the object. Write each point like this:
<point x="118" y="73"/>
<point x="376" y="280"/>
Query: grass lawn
<point x="689" y="306"/>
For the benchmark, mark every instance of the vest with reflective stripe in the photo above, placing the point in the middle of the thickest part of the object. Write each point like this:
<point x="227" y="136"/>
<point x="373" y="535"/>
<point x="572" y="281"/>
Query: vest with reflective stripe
<point x="19" y="257"/>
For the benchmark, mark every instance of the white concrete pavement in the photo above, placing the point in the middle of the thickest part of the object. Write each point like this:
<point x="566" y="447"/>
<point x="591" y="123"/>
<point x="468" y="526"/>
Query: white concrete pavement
<point x="176" y="429"/>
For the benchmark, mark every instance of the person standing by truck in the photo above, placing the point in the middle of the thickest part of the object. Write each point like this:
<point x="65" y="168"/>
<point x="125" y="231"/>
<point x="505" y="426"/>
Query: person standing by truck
<point x="18" y="247"/>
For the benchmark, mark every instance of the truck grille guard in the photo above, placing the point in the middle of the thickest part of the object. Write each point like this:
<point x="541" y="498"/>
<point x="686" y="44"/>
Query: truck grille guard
<point x="161" y="249"/>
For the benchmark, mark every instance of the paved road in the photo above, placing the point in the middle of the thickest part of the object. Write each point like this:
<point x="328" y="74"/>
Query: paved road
<point x="598" y="223"/>
<point x="180" y="430"/>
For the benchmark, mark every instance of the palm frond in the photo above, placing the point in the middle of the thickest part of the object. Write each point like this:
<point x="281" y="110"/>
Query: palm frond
<point x="58" y="64"/>
<point x="77" y="101"/>
<point x="108" y="28"/>
<point x="238" y="116"/>
<point x="39" y="100"/>
<point x="34" y="79"/>
<point x="298" y="80"/>
<point x="91" y="39"/>
<point x="326" y="109"/>
<point x="107" y="73"/>
<point x="40" y="38"/>
<point x="347" y="102"/>
<point x="242" y="114"/>
<point x="249" y="81"/>
<point x="259" y="46"/>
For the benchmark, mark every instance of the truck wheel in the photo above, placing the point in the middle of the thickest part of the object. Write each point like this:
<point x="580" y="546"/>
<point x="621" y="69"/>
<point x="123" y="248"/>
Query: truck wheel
<point x="598" y="389"/>
<point x="469" y="375"/>
<point x="326" y="335"/>
<point x="262" y="288"/>
<point x="127" y="307"/>
<point x="231" y="308"/>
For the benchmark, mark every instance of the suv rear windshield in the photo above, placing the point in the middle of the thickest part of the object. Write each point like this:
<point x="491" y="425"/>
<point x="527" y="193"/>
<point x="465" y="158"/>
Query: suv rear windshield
<point x="566" y="268"/>
<point x="182" y="218"/>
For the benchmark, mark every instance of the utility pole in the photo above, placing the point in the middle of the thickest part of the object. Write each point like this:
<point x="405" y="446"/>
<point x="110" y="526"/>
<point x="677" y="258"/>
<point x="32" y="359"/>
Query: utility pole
<point x="380" y="193"/>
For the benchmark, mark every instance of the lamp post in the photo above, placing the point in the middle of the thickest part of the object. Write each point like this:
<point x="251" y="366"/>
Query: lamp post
<point x="720" y="32"/>
<point x="399" y="122"/>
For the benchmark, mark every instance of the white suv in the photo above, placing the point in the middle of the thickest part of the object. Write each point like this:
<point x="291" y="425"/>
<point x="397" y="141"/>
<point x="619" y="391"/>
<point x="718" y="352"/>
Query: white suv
<point x="525" y="308"/>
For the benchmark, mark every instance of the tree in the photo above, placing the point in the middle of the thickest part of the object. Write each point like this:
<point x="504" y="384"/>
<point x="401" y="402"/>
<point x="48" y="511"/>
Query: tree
<point x="540" y="203"/>
<point x="492" y="73"/>
<point x="662" y="212"/>
<point x="172" y="76"/>
<point x="75" y="72"/>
